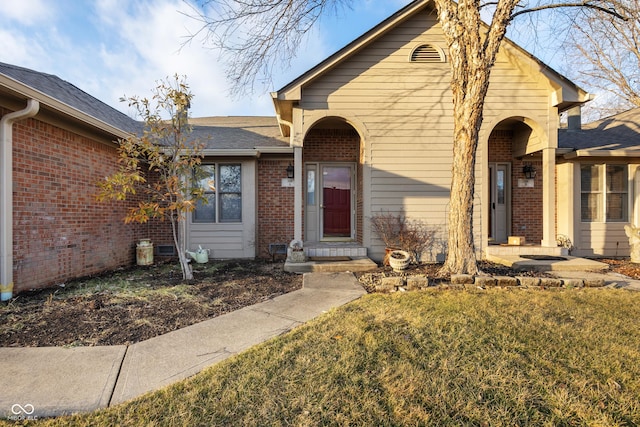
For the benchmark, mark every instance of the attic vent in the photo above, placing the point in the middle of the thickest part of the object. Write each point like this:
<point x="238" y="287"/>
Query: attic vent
<point x="427" y="53"/>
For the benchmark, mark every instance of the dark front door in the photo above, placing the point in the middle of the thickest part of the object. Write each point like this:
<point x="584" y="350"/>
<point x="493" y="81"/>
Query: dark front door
<point x="336" y="201"/>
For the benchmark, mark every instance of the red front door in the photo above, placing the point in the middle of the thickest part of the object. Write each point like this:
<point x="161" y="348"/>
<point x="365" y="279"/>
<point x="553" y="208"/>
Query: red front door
<point x="336" y="198"/>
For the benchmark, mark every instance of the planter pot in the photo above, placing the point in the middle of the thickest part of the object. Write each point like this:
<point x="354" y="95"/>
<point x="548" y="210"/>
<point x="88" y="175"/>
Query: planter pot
<point x="387" y="254"/>
<point x="399" y="260"/>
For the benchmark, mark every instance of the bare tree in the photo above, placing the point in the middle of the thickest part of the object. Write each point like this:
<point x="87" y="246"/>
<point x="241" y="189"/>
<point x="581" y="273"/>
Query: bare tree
<point x="160" y="165"/>
<point x="606" y="55"/>
<point x="259" y="33"/>
<point x="257" y="37"/>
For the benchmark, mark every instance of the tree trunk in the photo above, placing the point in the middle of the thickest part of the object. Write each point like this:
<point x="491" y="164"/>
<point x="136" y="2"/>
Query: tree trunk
<point x="180" y="242"/>
<point x="471" y="57"/>
<point x="461" y="257"/>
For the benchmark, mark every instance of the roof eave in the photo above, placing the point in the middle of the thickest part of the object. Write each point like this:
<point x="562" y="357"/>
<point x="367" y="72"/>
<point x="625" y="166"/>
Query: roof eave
<point x="29" y="92"/>
<point x="602" y="153"/>
<point x="249" y="152"/>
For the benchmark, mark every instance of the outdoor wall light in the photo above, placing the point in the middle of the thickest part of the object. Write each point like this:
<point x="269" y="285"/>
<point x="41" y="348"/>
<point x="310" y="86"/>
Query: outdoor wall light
<point x="529" y="171"/>
<point x="290" y="171"/>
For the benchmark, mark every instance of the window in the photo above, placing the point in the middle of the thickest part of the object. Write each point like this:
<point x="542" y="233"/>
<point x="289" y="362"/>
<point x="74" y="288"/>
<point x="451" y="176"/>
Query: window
<point x="222" y="187"/>
<point x="604" y="193"/>
<point x="311" y="187"/>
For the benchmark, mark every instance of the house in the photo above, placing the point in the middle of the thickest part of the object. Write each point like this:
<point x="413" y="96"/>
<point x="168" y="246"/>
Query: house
<point x="56" y="143"/>
<point x="598" y="185"/>
<point x="367" y="130"/>
<point x="370" y="129"/>
<point x="374" y="121"/>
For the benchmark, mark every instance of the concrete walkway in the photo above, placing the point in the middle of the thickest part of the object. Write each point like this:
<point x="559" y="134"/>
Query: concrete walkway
<point x="52" y="381"/>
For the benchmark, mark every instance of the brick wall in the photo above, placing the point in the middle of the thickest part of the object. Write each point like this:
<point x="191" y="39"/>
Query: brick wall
<point x="275" y="205"/>
<point x="338" y="145"/>
<point x="60" y="231"/>
<point x="526" y="203"/>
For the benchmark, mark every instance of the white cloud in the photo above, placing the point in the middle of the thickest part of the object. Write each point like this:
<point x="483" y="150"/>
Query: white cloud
<point x="111" y="48"/>
<point x="149" y="47"/>
<point x="28" y="12"/>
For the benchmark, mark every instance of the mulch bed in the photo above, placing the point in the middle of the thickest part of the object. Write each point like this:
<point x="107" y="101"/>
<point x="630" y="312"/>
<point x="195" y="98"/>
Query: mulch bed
<point x="58" y="317"/>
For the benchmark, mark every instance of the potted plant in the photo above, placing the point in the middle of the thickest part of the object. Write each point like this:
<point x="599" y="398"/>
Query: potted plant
<point x="399" y="260"/>
<point x="389" y="227"/>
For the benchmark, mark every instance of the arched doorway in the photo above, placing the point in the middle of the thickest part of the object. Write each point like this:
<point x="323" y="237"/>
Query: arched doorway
<point x="515" y="181"/>
<point x="332" y="159"/>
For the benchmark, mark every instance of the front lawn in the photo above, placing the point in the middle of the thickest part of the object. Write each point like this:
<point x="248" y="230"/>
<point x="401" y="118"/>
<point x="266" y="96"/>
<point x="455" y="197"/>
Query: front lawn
<point x="478" y="358"/>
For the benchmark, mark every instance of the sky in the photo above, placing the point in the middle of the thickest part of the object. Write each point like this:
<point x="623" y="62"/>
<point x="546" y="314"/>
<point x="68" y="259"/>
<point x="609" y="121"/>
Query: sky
<point x="116" y="48"/>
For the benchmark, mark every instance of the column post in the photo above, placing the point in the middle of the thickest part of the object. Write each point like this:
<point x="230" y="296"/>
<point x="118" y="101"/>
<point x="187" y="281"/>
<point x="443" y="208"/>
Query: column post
<point x="549" y="197"/>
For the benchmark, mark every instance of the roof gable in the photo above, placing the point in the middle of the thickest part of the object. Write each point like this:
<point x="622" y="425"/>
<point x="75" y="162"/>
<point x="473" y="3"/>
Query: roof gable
<point x="564" y="93"/>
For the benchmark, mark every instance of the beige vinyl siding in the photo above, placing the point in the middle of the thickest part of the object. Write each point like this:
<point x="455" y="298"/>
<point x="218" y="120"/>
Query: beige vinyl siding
<point x="233" y="239"/>
<point x="602" y="239"/>
<point x="407" y="111"/>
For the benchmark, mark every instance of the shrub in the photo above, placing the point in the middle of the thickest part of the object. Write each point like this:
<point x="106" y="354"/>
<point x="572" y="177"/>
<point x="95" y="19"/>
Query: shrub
<point x="417" y="237"/>
<point x="399" y="232"/>
<point x="389" y="227"/>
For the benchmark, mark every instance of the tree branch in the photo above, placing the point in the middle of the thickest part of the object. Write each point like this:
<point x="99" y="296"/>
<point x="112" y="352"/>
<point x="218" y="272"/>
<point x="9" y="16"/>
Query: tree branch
<point x="585" y="4"/>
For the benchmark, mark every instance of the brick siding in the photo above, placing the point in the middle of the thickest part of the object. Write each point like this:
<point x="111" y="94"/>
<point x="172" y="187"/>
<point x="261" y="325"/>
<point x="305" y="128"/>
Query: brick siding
<point x="275" y="205"/>
<point x="60" y="230"/>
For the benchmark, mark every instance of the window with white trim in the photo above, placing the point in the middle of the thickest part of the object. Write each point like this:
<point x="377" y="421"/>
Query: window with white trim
<point x="604" y="193"/>
<point x="222" y="185"/>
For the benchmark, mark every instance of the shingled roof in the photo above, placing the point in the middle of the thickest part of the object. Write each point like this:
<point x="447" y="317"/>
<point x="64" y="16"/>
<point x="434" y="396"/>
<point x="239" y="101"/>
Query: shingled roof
<point x="217" y="133"/>
<point x="619" y="133"/>
<point x="238" y="132"/>
<point x="67" y="93"/>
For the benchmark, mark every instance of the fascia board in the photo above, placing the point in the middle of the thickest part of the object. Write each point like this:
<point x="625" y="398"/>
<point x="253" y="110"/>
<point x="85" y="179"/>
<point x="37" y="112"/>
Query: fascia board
<point x="602" y="153"/>
<point x="255" y="152"/>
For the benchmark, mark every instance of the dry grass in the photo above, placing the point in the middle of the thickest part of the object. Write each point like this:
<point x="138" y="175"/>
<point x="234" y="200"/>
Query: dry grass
<point x="440" y="358"/>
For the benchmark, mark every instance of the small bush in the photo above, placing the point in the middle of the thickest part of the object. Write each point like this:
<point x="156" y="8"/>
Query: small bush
<point x="389" y="227"/>
<point x="417" y="237"/>
<point x="399" y="232"/>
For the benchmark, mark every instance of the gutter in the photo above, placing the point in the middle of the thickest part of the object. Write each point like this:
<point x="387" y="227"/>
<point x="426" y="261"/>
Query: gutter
<point x="6" y="195"/>
<point x="602" y="153"/>
<point x="249" y="152"/>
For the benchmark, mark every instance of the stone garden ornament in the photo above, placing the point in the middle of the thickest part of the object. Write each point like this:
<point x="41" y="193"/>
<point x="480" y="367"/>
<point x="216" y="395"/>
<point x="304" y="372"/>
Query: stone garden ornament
<point x="633" y="233"/>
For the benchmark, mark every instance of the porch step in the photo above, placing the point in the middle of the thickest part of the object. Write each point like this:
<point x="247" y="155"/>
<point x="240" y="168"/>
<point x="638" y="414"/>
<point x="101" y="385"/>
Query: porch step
<point x="353" y="264"/>
<point x="568" y="263"/>
<point x="512" y="250"/>
<point x="336" y="250"/>
<point x="332" y="257"/>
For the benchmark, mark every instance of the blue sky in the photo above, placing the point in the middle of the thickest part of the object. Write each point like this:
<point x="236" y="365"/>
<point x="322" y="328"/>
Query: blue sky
<point x="115" y="48"/>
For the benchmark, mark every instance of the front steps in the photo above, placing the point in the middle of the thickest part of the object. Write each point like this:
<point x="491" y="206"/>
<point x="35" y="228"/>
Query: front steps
<point x="332" y="257"/>
<point x="530" y="257"/>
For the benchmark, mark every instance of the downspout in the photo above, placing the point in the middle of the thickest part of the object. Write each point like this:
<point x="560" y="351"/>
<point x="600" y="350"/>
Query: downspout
<point x="6" y="195"/>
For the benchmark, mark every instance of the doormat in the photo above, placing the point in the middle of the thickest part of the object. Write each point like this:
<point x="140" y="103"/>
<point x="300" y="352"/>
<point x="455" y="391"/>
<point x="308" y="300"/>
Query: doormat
<point x="329" y="258"/>
<point x="544" y="257"/>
